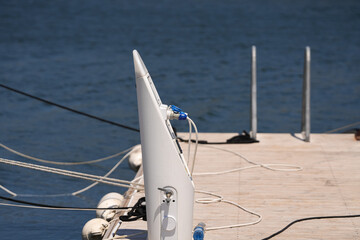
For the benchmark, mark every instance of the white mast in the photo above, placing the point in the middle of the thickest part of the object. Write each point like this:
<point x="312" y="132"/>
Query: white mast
<point x="169" y="189"/>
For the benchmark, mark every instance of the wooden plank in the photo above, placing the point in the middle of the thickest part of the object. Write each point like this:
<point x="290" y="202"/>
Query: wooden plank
<point x="329" y="184"/>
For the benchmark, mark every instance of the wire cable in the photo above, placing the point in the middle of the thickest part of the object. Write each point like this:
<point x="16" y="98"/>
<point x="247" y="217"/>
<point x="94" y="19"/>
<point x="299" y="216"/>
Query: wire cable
<point x="69" y="109"/>
<point x="27" y="204"/>
<point x="344" y="127"/>
<point x="243" y="138"/>
<point x="307" y="219"/>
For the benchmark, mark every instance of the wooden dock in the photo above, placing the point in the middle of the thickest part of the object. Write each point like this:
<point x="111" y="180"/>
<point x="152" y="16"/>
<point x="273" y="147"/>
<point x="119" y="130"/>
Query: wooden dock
<point x="329" y="184"/>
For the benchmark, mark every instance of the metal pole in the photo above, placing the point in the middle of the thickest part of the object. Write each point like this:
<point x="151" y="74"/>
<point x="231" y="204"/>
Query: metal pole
<point x="253" y="108"/>
<point x="305" y="121"/>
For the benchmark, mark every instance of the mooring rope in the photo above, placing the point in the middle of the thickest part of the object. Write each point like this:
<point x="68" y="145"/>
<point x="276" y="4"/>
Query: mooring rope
<point x="105" y="177"/>
<point x="8" y="191"/>
<point x="68" y="109"/>
<point x="344" y="127"/>
<point x="107" y="174"/>
<point x="85" y="176"/>
<point x="61" y="163"/>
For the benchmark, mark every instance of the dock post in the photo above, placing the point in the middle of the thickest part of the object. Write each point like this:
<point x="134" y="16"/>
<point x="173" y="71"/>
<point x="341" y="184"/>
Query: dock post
<point x="305" y="121"/>
<point x="253" y="108"/>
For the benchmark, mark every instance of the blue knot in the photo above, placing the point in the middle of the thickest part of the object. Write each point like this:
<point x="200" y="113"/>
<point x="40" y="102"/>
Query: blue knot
<point x="177" y="110"/>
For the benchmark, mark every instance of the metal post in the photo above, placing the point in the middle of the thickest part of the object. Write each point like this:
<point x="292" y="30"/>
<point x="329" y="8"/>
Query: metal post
<point x="305" y="121"/>
<point x="253" y="108"/>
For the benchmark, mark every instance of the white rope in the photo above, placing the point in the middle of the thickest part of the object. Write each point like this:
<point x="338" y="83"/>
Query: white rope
<point x="61" y="171"/>
<point x="8" y="191"/>
<point x="126" y="236"/>
<point x="196" y="143"/>
<point x="189" y="141"/>
<point x="45" y="195"/>
<point x="107" y="174"/>
<point x="138" y="178"/>
<point x="106" y="180"/>
<point x="219" y="198"/>
<point x="240" y="224"/>
<point x="83" y="189"/>
<point x="270" y="166"/>
<point x="60" y="163"/>
<point x="226" y="171"/>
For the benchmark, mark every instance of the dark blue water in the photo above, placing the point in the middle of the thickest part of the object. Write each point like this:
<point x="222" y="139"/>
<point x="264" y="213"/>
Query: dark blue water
<point x="78" y="53"/>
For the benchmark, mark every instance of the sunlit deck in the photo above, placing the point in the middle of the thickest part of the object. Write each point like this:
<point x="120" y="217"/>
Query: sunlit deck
<point x="329" y="184"/>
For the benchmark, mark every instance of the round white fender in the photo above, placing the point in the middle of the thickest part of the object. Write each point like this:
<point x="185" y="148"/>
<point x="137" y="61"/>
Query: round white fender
<point x="135" y="158"/>
<point x="110" y="200"/>
<point x="94" y="229"/>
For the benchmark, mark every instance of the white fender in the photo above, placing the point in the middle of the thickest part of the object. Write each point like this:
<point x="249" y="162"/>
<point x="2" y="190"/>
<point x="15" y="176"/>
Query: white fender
<point x="110" y="200"/>
<point x="94" y="229"/>
<point x="135" y="158"/>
